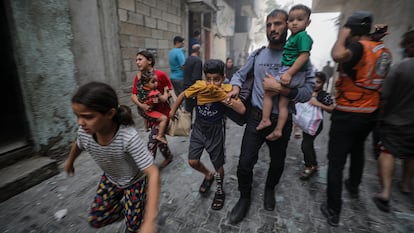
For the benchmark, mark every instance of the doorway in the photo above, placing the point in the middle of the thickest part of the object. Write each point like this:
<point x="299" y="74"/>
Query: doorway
<point x="13" y="122"/>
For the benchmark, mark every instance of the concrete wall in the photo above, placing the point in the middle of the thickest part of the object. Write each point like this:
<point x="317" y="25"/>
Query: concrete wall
<point x="96" y="41"/>
<point x="45" y="62"/>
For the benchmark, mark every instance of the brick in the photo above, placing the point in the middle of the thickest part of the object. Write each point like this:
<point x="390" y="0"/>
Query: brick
<point x="123" y="15"/>
<point x="162" y="25"/>
<point x="150" y="22"/>
<point x="127" y="5"/>
<point x="135" y="18"/>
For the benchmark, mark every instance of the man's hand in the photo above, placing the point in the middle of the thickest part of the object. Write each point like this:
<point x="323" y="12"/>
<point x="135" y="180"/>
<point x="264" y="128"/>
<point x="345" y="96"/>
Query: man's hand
<point x="344" y="33"/>
<point x="271" y="84"/>
<point x="381" y="30"/>
<point x="234" y="93"/>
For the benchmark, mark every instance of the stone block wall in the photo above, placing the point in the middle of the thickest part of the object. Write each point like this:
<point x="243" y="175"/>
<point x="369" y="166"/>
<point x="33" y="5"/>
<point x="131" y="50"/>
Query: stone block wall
<point x="148" y="25"/>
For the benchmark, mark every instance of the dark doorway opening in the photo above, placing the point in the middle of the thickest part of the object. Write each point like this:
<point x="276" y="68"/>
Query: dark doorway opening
<point x="13" y="124"/>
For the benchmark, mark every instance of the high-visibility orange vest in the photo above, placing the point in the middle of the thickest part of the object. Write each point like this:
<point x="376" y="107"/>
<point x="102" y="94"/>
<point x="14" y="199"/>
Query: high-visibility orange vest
<point x="362" y="94"/>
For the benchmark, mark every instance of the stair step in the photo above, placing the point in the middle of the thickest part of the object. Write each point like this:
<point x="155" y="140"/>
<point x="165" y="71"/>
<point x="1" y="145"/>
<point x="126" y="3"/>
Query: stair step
<point x="22" y="175"/>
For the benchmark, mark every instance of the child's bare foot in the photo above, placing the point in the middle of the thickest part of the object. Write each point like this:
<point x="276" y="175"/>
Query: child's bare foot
<point x="263" y="124"/>
<point x="273" y="136"/>
<point x="161" y="139"/>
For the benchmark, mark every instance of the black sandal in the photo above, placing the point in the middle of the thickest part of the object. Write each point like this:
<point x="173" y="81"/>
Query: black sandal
<point x="218" y="201"/>
<point x="381" y="203"/>
<point x="205" y="186"/>
<point x="308" y="172"/>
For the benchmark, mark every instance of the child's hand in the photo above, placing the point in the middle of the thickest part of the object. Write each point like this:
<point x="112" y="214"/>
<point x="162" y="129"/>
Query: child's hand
<point x="172" y="114"/>
<point x="68" y="167"/>
<point x="285" y="78"/>
<point x="146" y="107"/>
<point x="314" y="101"/>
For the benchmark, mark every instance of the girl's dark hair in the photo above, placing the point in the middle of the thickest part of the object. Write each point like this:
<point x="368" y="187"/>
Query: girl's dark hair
<point x="101" y="97"/>
<point x="321" y="75"/>
<point x="146" y="76"/>
<point x="214" y="66"/>
<point x="148" y="55"/>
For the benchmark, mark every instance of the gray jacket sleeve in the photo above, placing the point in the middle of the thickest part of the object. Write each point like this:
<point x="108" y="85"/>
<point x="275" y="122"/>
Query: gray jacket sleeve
<point x="304" y="93"/>
<point x="240" y="76"/>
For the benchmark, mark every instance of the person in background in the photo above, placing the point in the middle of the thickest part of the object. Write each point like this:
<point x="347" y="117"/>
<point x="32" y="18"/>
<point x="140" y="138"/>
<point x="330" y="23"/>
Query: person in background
<point x="230" y="69"/>
<point x="193" y="71"/>
<point x="145" y="61"/>
<point x="329" y="71"/>
<point x="130" y="185"/>
<point x="195" y="39"/>
<point x="396" y="125"/>
<point x="270" y="56"/>
<point x="324" y="101"/>
<point x="363" y="64"/>
<point x="208" y="129"/>
<point x="176" y="60"/>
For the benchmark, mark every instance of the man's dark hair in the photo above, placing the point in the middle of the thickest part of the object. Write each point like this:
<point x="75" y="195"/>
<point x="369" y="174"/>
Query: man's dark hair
<point x="178" y="39"/>
<point x="276" y="12"/>
<point x="282" y="38"/>
<point x="301" y="7"/>
<point x="407" y="38"/>
<point x="214" y="66"/>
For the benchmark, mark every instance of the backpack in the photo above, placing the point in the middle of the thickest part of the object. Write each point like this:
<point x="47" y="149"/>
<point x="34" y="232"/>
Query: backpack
<point x="244" y="95"/>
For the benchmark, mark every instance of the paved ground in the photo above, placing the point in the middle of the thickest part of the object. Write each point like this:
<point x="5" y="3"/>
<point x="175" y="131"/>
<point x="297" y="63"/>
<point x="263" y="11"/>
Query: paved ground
<point x="182" y="209"/>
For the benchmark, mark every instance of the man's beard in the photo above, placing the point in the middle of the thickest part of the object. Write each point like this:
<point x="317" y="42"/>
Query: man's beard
<point x="280" y="40"/>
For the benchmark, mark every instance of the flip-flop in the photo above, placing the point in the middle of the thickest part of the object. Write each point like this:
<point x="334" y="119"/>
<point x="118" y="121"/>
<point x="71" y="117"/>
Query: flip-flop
<point x="382" y="204"/>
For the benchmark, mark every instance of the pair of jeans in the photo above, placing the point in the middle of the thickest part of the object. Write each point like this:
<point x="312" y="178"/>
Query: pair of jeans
<point x="347" y="135"/>
<point x="308" y="148"/>
<point x="251" y="143"/>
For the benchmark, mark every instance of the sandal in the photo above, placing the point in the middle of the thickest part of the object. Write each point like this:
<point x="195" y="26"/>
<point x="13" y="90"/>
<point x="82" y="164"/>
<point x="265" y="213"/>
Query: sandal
<point x="308" y="172"/>
<point x="165" y="163"/>
<point x="205" y="186"/>
<point x="381" y="203"/>
<point x="401" y="189"/>
<point x="218" y="201"/>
